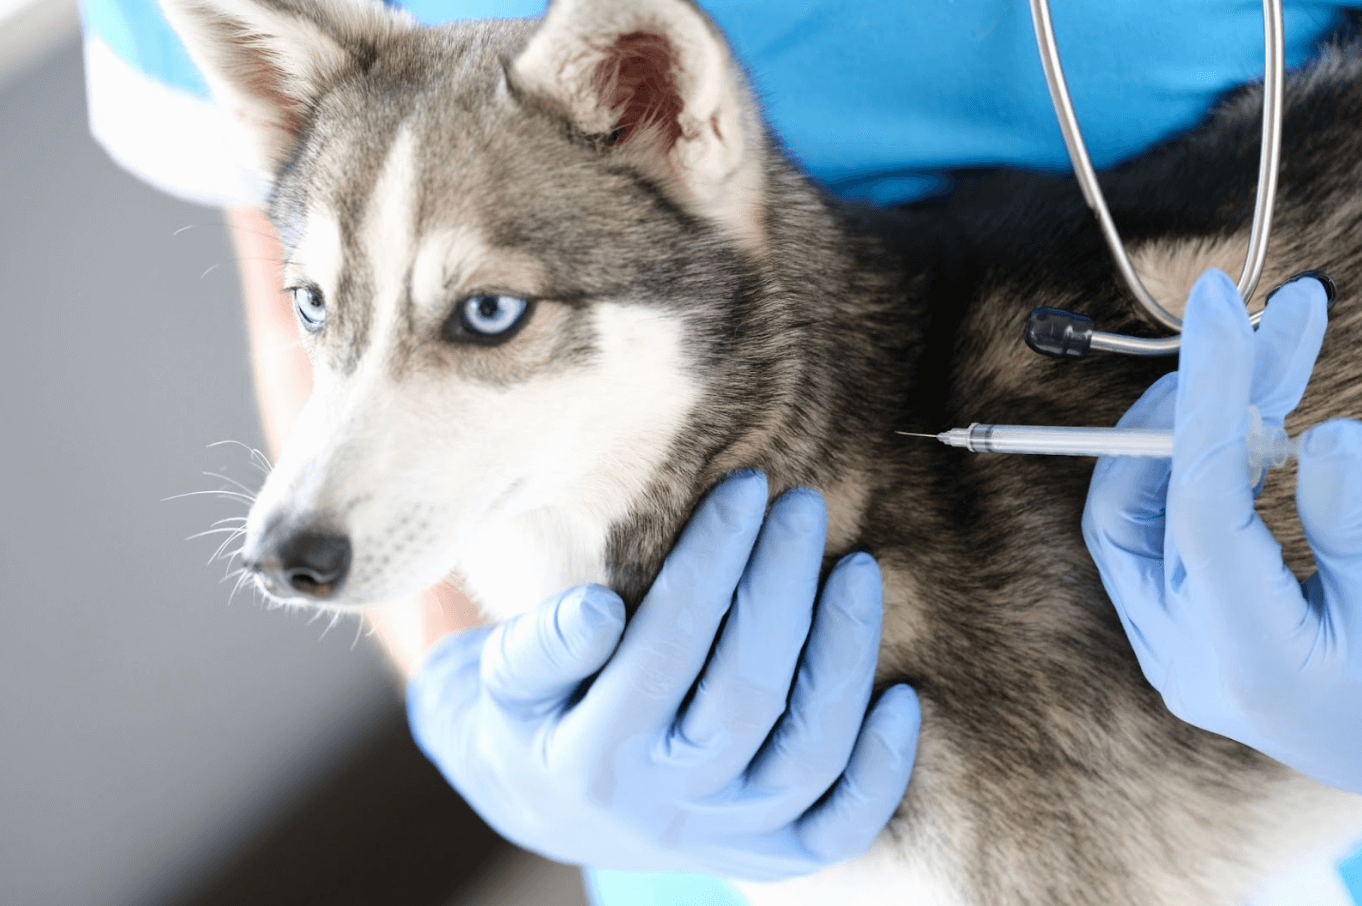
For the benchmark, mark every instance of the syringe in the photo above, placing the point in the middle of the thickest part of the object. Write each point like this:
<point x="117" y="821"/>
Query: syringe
<point x="1267" y="448"/>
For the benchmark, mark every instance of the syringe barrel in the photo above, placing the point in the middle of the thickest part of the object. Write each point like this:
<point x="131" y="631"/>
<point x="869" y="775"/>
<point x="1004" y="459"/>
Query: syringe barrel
<point x="1069" y="441"/>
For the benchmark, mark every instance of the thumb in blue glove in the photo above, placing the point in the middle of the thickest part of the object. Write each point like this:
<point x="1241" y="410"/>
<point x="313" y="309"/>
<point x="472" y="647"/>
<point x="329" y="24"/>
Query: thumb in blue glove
<point x="1220" y="626"/>
<point x="725" y="730"/>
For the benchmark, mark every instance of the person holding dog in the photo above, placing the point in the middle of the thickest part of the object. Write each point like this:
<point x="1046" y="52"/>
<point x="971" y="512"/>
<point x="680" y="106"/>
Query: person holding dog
<point x="977" y="99"/>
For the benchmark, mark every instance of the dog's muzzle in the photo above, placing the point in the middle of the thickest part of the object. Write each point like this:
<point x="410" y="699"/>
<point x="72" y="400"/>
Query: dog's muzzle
<point x="299" y="563"/>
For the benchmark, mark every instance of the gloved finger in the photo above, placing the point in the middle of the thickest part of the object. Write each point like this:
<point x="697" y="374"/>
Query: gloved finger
<point x="667" y="641"/>
<point x="1209" y="496"/>
<point x="534" y="661"/>
<point x="1123" y="527"/>
<point x="1286" y="346"/>
<point x="1124" y="513"/>
<point x="1218" y="553"/>
<point x="865" y="798"/>
<point x="1329" y="500"/>
<point x="746" y="684"/>
<point x="814" y="740"/>
<point x="444" y="688"/>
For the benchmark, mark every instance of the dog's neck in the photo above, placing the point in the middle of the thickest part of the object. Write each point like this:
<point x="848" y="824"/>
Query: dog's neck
<point x="812" y="394"/>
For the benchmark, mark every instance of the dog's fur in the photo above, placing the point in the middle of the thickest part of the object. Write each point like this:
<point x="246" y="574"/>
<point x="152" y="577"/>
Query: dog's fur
<point x="699" y="307"/>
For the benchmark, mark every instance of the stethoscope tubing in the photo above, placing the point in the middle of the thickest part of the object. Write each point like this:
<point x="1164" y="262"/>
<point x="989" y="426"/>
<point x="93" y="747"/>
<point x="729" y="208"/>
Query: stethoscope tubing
<point x="1274" y="75"/>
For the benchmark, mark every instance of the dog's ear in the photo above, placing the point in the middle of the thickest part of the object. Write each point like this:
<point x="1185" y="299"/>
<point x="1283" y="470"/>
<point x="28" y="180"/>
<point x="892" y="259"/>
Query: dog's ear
<point x="267" y="61"/>
<point x="656" y="82"/>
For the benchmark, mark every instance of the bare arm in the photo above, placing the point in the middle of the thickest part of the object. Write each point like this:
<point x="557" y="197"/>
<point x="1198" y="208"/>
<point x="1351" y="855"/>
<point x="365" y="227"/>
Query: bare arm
<point x="283" y="382"/>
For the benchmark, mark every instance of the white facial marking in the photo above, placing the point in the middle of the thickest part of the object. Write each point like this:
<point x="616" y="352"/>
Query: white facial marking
<point x="446" y="260"/>
<point x="318" y="256"/>
<point x="584" y="446"/>
<point x="388" y="235"/>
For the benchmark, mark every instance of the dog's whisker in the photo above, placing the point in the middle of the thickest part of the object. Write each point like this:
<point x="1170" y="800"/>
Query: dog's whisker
<point x="217" y="554"/>
<point x="221" y="492"/>
<point x="239" y="578"/>
<point x="215" y="531"/>
<point x="257" y="457"/>
<point x="243" y="487"/>
<point x="335" y="619"/>
<point x="226" y="519"/>
<point x="236" y="533"/>
<point x="240" y="581"/>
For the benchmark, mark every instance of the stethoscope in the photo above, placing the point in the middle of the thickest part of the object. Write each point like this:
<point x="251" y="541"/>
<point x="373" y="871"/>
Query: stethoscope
<point x="1063" y="334"/>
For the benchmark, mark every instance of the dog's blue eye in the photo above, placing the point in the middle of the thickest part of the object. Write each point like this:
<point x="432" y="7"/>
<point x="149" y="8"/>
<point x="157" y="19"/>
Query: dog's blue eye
<point x="492" y="315"/>
<point x="307" y="302"/>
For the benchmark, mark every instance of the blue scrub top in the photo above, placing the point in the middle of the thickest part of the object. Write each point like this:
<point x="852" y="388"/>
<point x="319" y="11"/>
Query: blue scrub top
<point x="874" y="98"/>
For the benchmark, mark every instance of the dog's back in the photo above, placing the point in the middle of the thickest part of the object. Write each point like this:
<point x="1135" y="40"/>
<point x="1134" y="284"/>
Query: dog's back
<point x="1064" y="778"/>
<point x="690" y="305"/>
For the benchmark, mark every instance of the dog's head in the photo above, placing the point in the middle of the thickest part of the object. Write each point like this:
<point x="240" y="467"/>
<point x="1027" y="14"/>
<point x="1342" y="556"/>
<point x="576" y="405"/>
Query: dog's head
<point x="505" y="245"/>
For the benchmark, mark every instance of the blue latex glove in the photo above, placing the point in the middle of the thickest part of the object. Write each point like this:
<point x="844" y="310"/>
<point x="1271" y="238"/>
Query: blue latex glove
<point x="639" y="774"/>
<point x="1221" y="627"/>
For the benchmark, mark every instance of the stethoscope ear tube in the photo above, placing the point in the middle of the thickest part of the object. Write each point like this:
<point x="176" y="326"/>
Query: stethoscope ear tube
<point x="1274" y="72"/>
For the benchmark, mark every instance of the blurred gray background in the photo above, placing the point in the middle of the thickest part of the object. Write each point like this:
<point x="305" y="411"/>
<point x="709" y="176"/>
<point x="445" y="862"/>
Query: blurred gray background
<point x="151" y="732"/>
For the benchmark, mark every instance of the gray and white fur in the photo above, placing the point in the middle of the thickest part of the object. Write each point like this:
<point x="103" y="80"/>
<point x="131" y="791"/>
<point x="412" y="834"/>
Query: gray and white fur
<point x="694" y="305"/>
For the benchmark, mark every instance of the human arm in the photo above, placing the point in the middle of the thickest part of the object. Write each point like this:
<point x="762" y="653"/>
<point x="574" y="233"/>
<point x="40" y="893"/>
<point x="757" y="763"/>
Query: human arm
<point x="1220" y="626"/>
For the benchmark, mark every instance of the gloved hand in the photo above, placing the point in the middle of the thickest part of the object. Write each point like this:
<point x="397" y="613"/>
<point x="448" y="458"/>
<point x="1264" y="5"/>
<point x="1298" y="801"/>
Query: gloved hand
<point x="639" y="773"/>
<point x="1221" y="627"/>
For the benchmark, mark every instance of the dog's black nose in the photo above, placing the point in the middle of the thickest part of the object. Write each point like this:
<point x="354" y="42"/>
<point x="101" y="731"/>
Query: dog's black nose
<point x="312" y="563"/>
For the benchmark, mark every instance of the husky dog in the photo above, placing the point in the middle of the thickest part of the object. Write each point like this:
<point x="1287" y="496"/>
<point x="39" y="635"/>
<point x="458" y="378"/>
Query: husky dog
<point x="556" y="279"/>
